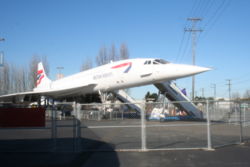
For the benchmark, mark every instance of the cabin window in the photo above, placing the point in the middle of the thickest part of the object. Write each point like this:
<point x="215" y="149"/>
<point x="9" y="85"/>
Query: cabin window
<point x="147" y="62"/>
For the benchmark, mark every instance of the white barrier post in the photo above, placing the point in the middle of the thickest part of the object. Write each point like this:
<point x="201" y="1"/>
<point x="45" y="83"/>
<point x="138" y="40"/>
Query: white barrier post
<point x="78" y="127"/>
<point x="209" y="144"/>
<point x="53" y="127"/>
<point x="122" y="111"/>
<point x="74" y="126"/>
<point x="244" y="124"/>
<point x="241" y="130"/>
<point x="143" y="130"/>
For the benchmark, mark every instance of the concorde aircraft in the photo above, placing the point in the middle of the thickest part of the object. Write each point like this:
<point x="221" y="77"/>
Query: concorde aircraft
<point x="113" y="76"/>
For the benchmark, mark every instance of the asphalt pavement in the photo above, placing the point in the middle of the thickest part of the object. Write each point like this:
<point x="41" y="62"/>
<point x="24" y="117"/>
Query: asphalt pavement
<point x="34" y="148"/>
<point x="235" y="156"/>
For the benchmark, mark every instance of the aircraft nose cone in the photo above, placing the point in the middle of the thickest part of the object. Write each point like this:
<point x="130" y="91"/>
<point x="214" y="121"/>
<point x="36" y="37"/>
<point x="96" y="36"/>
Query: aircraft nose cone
<point x="188" y="70"/>
<point x="175" y="71"/>
<point x="198" y="69"/>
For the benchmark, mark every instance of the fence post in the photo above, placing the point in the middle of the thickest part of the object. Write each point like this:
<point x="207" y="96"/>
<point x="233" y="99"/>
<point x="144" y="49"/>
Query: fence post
<point x="164" y="103"/>
<point x="143" y="130"/>
<point x="74" y="126"/>
<point x="53" y="127"/>
<point x="209" y="144"/>
<point x="78" y="127"/>
<point x="241" y="130"/>
<point x="122" y="112"/>
<point x="244" y="120"/>
<point x="99" y="113"/>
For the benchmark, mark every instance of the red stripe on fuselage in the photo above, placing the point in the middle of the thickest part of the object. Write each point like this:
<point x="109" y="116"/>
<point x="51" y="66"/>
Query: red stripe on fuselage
<point x="121" y="65"/>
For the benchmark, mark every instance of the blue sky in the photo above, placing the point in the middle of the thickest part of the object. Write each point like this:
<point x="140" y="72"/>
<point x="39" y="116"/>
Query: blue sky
<point x="68" y="32"/>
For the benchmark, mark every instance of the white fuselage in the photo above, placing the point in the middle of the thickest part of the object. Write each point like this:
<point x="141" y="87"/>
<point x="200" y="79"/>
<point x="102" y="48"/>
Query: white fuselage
<point x="110" y="77"/>
<point x="125" y="74"/>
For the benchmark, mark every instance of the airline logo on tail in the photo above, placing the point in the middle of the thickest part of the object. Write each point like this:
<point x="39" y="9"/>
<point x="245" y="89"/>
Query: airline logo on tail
<point x="40" y="77"/>
<point x="129" y="64"/>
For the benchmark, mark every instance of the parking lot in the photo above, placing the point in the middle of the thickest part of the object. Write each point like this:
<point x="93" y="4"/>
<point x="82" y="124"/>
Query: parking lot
<point x="120" y="135"/>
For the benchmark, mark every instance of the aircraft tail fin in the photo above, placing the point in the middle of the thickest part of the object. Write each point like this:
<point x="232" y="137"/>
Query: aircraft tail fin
<point x="43" y="82"/>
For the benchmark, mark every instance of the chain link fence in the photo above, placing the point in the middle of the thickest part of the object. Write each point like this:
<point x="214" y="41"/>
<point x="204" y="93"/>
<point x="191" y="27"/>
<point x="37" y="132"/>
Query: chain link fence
<point x="72" y="127"/>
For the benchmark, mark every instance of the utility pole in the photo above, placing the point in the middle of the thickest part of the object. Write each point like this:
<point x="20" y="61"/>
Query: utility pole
<point x="214" y="87"/>
<point x="193" y="30"/>
<point x="229" y="94"/>
<point x="203" y="90"/>
<point x="229" y="88"/>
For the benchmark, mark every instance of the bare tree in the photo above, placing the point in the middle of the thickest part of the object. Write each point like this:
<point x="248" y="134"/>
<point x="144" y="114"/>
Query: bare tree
<point x="15" y="78"/>
<point x="22" y="79"/>
<point x="17" y="75"/>
<point x="12" y="77"/>
<point x="236" y="96"/>
<point x="124" y="54"/>
<point x="112" y="55"/>
<point x="247" y="94"/>
<point x="102" y="57"/>
<point x="26" y="78"/>
<point x="4" y="79"/>
<point x="1" y="81"/>
<point x="87" y="64"/>
<point x="33" y="69"/>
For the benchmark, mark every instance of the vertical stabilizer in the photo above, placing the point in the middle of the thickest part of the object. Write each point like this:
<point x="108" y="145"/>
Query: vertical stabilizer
<point x="43" y="82"/>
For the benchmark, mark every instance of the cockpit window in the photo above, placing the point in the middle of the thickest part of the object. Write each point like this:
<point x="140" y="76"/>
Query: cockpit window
<point x="156" y="62"/>
<point x="160" y="61"/>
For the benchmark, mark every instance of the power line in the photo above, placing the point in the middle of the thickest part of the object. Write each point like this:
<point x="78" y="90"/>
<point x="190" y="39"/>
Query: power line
<point x="197" y="9"/>
<point x="186" y="46"/>
<point x="179" y="50"/>
<point x="207" y="8"/>
<point x="237" y="80"/>
<point x="213" y="19"/>
<point x="218" y="12"/>
<point x="194" y="8"/>
<point x="185" y="39"/>
<point x="243" y="81"/>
